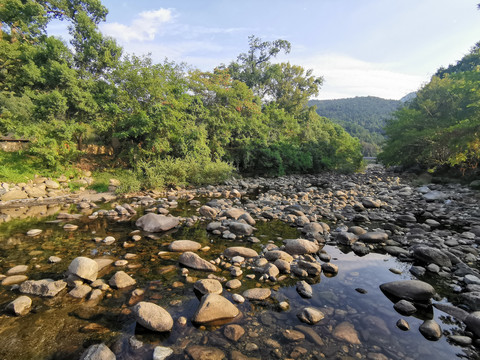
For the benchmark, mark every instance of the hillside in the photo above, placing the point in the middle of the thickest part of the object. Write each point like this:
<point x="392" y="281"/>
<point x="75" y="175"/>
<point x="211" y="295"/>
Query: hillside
<point x="362" y="117"/>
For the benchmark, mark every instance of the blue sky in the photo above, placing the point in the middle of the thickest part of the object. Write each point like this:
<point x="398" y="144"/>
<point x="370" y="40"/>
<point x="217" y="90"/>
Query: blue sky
<point x="384" y="48"/>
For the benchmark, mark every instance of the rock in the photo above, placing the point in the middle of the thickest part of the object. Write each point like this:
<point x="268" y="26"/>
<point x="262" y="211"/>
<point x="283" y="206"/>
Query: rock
<point x="403" y="325"/>
<point x="208" y="286"/>
<point x="156" y="223"/>
<point x="431" y="255"/>
<point x="14" y="279"/>
<point x="44" y="287"/>
<point x="373" y="237"/>
<point x="234" y="213"/>
<point x="80" y="291"/>
<point x="274" y="255"/>
<point x="208" y="211"/>
<point x="98" y="352"/>
<point x="475" y="184"/>
<point x="313" y="228"/>
<point x="300" y="247"/>
<point x="14" y="195"/>
<point x="184" y="245"/>
<point x="233" y="332"/>
<point x="412" y="290"/>
<point x="311" y="334"/>
<point x="371" y="203"/>
<point x="240" y="251"/>
<point x="431" y="330"/>
<point x="282" y="265"/>
<point x="238" y="298"/>
<point x="241" y="228"/>
<point x="304" y="289"/>
<point x="54" y="259"/>
<point x="214" y="307"/>
<point x="257" y="294"/>
<point x="471" y="299"/>
<point x="161" y="353"/>
<point x="50" y="184"/>
<point x="345" y="238"/>
<point x="121" y="280"/>
<point x="452" y="310"/>
<point x="345" y="331"/>
<point x="19" y="269"/>
<point x="310" y="315"/>
<point x="84" y="268"/>
<point x="271" y="271"/>
<point x="70" y="227"/>
<point x="293" y="335"/>
<point x="198" y="352"/>
<point x="460" y="340"/>
<point x="312" y="268"/>
<point x="473" y="323"/>
<point x="20" y="306"/>
<point x="434" y="196"/>
<point x="329" y="268"/>
<point x="152" y="317"/>
<point x="34" y="232"/>
<point x="194" y="261"/>
<point x="405" y="307"/>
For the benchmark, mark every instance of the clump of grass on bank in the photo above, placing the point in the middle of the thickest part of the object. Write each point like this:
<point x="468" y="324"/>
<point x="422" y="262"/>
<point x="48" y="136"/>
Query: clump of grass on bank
<point x="19" y="167"/>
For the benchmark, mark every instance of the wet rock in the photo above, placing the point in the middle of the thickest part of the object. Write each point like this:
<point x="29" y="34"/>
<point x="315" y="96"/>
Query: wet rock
<point x="98" y="352"/>
<point x="311" y="334"/>
<point x="240" y="251"/>
<point x="233" y="284"/>
<point x="428" y="255"/>
<point x="20" y="306"/>
<point x="405" y="307"/>
<point x="54" y="259"/>
<point x="152" y="317"/>
<point x="329" y="268"/>
<point x="208" y="286"/>
<point x="194" y="261"/>
<point x="371" y="203"/>
<point x="312" y="268"/>
<point x="70" y="227"/>
<point x="197" y="352"/>
<point x="434" y="196"/>
<point x="184" y="245"/>
<point x="161" y="353"/>
<point x="360" y="249"/>
<point x="452" y="310"/>
<point x="80" y="291"/>
<point x="471" y="299"/>
<point x="431" y="330"/>
<point x="346" y="331"/>
<point x="310" y="315"/>
<point x="234" y="213"/>
<point x="121" y="280"/>
<point x="345" y="238"/>
<point x="373" y="237"/>
<point x="403" y="325"/>
<point x="84" y="268"/>
<point x="460" y="340"/>
<point x="413" y="290"/>
<point x="44" y="287"/>
<point x="156" y="223"/>
<point x="238" y="298"/>
<point x="304" y="289"/>
<point x="233" y="332"/>
<point x="214" y="307"/>
<point x="300" y="247"/>
<point x="293" y="335"/>
<point x="257" y="294"/>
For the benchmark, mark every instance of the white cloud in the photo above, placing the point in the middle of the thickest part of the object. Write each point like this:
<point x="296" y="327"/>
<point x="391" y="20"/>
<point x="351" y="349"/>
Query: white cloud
<point x="143" y="28"/>
<point x="348" y="77"/>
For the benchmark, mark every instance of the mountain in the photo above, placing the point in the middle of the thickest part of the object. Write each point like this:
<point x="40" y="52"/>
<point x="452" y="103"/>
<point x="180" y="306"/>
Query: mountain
<point x="408" y="97"/>
<point x="363" y="117"/>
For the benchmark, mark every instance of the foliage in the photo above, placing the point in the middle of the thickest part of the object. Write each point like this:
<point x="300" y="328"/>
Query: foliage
<point x="362" y="117"/>
<point x="441" y="126"/>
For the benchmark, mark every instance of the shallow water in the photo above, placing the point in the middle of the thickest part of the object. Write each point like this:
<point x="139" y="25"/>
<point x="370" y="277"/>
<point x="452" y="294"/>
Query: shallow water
<point x="60" y="328"/>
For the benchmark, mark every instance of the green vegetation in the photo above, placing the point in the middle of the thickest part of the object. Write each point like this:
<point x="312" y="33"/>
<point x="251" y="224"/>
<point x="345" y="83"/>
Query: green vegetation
<point x="167" y="125"/>
<point x="440" y="128"/>
<point x="362" y="117"/>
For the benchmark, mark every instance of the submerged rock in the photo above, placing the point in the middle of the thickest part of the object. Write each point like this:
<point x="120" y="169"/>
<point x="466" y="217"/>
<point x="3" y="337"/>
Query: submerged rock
<point x="44" y="287"/>
<point x="198" y="352"/>
<point x="121" y="280"/>
<point x="310" y="315"/>
<point x="346" y="331"/>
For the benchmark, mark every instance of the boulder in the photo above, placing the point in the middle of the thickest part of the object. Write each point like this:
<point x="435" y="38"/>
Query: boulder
<point x="257" y="294"/>
<point x="214" y="307"/>
<point x="304" y="289"/>
<point x="310" y="315"/>
<point x="208" y="211"/>
<point x="20" y="306"/>
<point x="84" y="268"/>
<point x="240" y="251"/>
<point x="346" y="238"/>
<point x="431" y="330"/>
<point x="152" y="317"/>
<point x="274" y="255"/>
<point x="412" y="290"/>
<point x="300" y="247"/>
<point x="194" y="261"/>
<point x="208" y="286"/>
<point x="373" y="237"/>
<point x="184" y="245"/>
<point x="428" y="255"/>
<point x="14" y="195"/>
<point x="156" y="223"/>
<point x="234" y="213"/>
<point x="121" y="280"/>
<point x="241" y="228"/>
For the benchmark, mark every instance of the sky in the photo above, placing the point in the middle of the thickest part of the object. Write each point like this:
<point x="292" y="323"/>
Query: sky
<point x="383" y="48"/>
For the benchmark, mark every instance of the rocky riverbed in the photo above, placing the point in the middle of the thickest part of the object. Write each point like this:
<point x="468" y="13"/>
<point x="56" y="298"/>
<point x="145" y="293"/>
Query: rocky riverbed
<point x="300" y="267"/>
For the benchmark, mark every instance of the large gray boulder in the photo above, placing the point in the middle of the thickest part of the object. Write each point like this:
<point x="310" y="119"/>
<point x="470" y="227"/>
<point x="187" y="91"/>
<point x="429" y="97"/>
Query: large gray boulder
<point x="300" y="247"/>
<point x="44" y="287"/>
<point x="429" y="255"/>
<point x="156" y="223"/>
<point x="194" y="261"/>
<point x="98" y="352"/>
<point x="184" y="245"/>
<point x="241" y="228"/>
<point x="240" y="251"/>
<point x="84" y="268"/>
<point x="152" y="317"/>
<point x="214" y="307"/>
<point x="412" y="290"/>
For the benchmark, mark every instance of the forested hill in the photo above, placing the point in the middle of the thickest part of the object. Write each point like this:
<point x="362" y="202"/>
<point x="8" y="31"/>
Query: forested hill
<point x="362" y="117"/>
